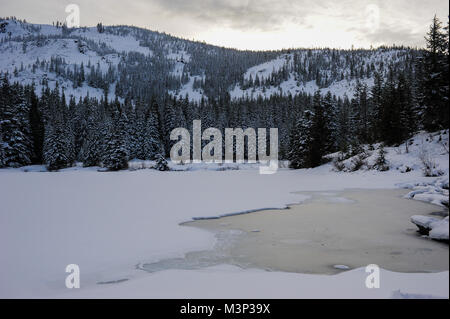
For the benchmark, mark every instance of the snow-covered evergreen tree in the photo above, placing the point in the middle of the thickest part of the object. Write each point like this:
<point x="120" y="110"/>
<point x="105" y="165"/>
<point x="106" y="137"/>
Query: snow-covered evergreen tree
<point x="331" y="119"/>
<point x="161" y="163"/>
<point x="152" y="140"/>
<point x="376" y="109"/>
<point x="435" y="78"/>
<point x="2" y="151"/>
<point x="57" y="147"/>
<point x="92" y="148"/>
<point x="115" y="156"/>
<point x="381" y="163"/>
<point x="15" y="125"/>
<point x="301" y="141"/>
<point x="319" y="132"/>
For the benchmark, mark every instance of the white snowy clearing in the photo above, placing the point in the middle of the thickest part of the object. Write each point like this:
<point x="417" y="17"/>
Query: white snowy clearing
<point x="109" y="222"/>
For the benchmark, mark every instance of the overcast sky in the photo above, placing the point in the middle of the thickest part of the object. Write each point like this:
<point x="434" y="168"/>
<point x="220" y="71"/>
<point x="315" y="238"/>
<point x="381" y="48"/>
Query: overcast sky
<point x="254" y="24"/>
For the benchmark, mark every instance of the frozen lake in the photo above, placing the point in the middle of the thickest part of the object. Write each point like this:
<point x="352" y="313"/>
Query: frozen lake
<point x="353" y="228"/>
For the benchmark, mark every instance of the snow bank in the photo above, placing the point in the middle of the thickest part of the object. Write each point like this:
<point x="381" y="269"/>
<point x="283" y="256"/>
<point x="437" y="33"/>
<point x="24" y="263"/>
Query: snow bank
<point x="232" y="282"/>
<point x="435" y="192"/>
<point x="431" y="148"/>
<point x="435" y="228"/>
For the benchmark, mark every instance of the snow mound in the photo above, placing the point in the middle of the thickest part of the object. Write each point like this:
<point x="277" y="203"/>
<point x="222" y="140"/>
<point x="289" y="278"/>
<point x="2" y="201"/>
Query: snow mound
<point x="436" y="192"/>
<point x="433" y="227"/>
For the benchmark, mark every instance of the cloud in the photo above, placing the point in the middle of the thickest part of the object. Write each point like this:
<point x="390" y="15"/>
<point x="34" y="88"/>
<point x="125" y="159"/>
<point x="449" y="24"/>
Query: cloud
<point x="262" y="15"/>
<point x="309" y="21"/>
<point x="387" y="34"/>
<point x="399" y="21"/>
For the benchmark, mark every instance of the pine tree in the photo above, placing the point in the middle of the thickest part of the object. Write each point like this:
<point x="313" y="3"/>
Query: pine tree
<point x="381" y="163"/>
<point x="152" y="142"/>
<point x="406" y="108"/>
<point x="319" y="132"/>
<point x="173" y="118"/>
<point x="376" y="108"/>
<point x="434" y="84"/>
<point x="15" y="125"/>
<point x="57" y="147"/>
<point x="115" y="155"/>
<point x="359" y="123"/>
<point x="390" y="129"/>
<point x="331" y="130"/>
<point x="161" y="163"/>
<point x="301" y="141"/>
<point x="343" y="128"/>
<point x="36" y="126"/>
<point x="92" y="148"/>
<point x="2" y="151"/>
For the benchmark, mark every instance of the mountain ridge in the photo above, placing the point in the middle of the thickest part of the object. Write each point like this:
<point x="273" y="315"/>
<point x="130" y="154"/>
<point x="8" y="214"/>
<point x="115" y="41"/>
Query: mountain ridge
<point x="181" y="66"/>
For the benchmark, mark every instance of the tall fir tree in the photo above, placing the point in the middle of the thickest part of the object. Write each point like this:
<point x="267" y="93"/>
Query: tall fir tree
<point x="115" y="155"/>
<point x="15" y="125"/>
<point x="301" y="141"/>
<point x="152" y="144"/>
<point x="36" y="126"/>
<point x="92" y="148"/>
<point x="434" y="84"/>
<point x="330" y="113"/>
<point x="376" y="108"/>
<point x="319" y="132"/>
<point x="56" y="148"/>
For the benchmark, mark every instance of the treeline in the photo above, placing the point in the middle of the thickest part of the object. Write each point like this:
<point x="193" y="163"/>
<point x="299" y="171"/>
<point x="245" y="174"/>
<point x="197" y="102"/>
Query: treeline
<point x="47" y="129"/>
<point x="57" y="131"/>
<point x="390" y="112"/>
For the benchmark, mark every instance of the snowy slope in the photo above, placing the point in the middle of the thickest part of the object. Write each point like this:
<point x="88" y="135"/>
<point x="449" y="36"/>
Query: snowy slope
<point x="20" y="53"/>
<point x="23" y="43"/>
<point x="380" y="59"/>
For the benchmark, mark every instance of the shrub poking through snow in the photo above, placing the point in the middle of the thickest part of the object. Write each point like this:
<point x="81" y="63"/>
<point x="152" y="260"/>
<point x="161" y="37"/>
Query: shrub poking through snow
<point x="358" y="162"/>
<point x="430" y="168"/>
<point x="161" y="163"/>
<point x="381" y="163"/>
<point x="338" y="164"/>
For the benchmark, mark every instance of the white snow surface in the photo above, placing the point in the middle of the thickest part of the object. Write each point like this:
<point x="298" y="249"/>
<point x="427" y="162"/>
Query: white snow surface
<point x="232" y="282"/>
<point x="408" y="156"/>
<point x="107" y="223"/>
<point x="194" y="95"/>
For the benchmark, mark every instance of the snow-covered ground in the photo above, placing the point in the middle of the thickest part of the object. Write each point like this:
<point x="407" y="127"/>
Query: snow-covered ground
<point x="188" y="90"/>
<point x="292" y="87"/>
<point x="107" y="223"/>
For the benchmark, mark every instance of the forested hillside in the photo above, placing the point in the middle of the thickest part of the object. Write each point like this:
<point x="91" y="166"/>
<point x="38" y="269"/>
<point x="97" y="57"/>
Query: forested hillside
<point x="106" y="95"/>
